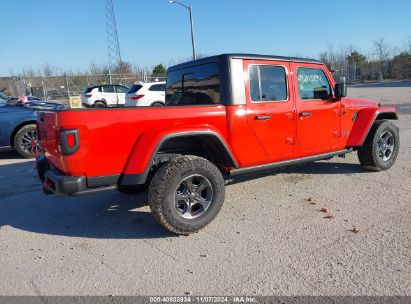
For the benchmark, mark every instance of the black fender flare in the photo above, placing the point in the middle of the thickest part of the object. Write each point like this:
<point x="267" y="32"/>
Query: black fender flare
<point x="138" y="179"/>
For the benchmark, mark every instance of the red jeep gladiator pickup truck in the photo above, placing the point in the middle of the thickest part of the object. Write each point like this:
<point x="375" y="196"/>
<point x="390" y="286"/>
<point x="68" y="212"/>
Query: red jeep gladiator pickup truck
<point x="225" y="115"/>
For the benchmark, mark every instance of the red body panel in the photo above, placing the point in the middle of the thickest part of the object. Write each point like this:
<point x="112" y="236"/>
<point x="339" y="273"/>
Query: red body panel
<point x="122" y="141"/>
<point x="276" y="135"/>
<point x="115" y="141"/>
<point x="318" y="133"/>
<point x="363" y="123"/>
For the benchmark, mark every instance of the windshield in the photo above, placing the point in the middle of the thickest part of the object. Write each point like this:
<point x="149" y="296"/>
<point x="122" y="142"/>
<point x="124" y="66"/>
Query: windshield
<point x="3" y="98"/>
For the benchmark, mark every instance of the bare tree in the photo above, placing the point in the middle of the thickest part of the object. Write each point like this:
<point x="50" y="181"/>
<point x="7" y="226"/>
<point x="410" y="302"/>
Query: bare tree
<point x="396" y="51"/>
<point x="95" y="69"/>
<point x="49" y="70"/>
<point x="331" y="58"/>
<point x="29" y="72"/>
<point x="382" y="50"/>
<point x="136" y="69"/>
<point x="123" y="67"/>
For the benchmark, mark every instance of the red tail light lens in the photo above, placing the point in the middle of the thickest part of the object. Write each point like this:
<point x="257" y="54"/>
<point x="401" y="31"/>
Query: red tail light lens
<point x="89" y="95"/>
<point x="71" y="140"/>
<point x="136" y="97"/>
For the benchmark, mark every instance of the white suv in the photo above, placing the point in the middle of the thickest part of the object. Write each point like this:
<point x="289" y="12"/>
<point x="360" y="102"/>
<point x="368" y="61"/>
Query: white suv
<point x="104" y="96"/>
<point x="146" y="94"/>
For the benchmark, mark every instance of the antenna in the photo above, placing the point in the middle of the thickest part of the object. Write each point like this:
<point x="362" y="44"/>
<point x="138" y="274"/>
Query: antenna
<point x="114" y="56"/>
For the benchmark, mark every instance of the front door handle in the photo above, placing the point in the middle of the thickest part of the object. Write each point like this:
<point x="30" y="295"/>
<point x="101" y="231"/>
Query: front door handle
<point x="262" y="117"/>
<point x="305" y="114"/>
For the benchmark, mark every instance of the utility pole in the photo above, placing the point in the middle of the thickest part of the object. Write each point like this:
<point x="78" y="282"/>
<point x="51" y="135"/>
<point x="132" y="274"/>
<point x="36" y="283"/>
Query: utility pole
<point x="190" y="9"/>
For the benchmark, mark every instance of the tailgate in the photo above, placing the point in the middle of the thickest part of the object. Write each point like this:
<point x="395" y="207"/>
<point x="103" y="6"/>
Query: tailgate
<point x="47" y="133"/>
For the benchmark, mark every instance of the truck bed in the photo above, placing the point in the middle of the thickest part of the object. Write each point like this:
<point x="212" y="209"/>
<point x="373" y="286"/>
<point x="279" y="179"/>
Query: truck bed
<point x="106" y="136"/>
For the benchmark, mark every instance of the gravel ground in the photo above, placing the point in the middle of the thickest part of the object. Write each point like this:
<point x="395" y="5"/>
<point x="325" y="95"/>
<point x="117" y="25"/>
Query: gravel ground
<point x="269" y="239"/>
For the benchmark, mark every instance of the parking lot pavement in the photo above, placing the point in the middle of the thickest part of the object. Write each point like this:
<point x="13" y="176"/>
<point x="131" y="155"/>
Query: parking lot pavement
<point x="269" y="239"/>
<point x="388" y="93"/>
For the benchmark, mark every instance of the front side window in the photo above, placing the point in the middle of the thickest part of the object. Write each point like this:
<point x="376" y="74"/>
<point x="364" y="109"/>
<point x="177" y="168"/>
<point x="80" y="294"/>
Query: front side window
<point x="313" y="84"/>
<point x="268" y="83"/>
<point x="196" y="85"/>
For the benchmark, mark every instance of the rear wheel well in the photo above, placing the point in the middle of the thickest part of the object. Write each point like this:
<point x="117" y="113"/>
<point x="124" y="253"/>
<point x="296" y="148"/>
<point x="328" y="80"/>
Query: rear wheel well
<point x="17" y="128"/>
<point x="206" y="146"/>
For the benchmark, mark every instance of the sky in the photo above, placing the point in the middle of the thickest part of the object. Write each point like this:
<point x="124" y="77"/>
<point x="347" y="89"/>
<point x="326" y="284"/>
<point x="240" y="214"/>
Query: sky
<point x="71" y="34"/>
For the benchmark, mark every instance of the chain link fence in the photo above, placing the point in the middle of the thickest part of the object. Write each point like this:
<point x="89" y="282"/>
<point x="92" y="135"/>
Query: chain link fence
<point x="62" y="88"/>
<point x="353" y="73"/>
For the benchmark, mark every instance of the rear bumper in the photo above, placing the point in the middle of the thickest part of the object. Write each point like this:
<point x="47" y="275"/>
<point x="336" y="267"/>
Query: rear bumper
<point x="57" y="183"/>
<point x="54" y="182"/>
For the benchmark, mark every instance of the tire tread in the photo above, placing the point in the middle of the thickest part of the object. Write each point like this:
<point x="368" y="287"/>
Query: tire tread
<point x="368" y="153"/>
<point x="158" y="188"/>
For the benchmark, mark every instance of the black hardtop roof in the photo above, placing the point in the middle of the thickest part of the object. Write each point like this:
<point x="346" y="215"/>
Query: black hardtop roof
<point x="227" y="57"/>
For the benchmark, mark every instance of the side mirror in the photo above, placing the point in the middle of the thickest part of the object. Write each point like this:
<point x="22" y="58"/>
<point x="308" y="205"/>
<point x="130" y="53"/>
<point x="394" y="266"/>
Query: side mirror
<point x="340" y="90"/>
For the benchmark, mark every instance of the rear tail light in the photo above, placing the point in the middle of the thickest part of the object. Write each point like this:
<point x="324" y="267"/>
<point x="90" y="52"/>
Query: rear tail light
<point x="68" y="142"/>
<point x="136" y="97"/>
<point x="89" y="95"/>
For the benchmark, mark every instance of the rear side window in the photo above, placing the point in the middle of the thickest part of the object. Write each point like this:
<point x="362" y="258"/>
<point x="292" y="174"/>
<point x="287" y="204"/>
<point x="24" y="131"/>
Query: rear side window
<point x="157" y="87"/>
<point x="109" y="89"/>
<point x="121" y="89"/>
<point x="197" y="85"/>
<point x="134" y="88"/>
<point x="313" y="84"/>
<point x="268" y="83"/>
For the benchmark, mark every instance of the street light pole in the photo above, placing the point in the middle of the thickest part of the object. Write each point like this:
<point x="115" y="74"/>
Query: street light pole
<point x="190" y="9"/>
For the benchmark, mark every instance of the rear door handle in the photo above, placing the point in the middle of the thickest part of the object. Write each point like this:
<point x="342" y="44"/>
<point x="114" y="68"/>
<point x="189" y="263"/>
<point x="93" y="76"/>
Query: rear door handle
<point x="305" y="114"/>
<point x="262" y="117"/>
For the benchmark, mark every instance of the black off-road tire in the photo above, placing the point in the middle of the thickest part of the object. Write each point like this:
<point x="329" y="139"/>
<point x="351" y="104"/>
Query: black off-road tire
<point x="164" y="185"/>
<point x="21" y="139"/>
<point x="100" y="104"/>
<point x="368" y="154"/>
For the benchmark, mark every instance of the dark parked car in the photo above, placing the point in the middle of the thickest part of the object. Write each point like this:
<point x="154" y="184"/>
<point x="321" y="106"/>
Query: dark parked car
<point x="57" y="94"/>
<point x="18" y="123"/>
